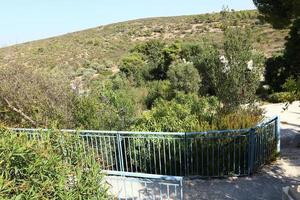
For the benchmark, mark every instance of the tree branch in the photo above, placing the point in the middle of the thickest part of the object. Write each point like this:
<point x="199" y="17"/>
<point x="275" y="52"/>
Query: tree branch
<point x="19" y="112"/>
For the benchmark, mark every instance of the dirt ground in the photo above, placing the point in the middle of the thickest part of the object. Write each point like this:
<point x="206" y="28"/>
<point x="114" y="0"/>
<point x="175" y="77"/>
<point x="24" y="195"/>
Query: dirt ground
<point x="268" y="183"/>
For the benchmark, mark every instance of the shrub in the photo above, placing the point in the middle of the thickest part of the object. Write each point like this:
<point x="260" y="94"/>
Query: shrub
<point x="282" y="97"/>
<point x="112" y="105"/>
<point x="167" y="116"/>
<point x="133" y="66"/>
<point x="293" y="85"/>
<point x="35" y="97"/>
<point x="184" y="77"/>
<point x="48" y="169"/>
<point x="158" y="90"/>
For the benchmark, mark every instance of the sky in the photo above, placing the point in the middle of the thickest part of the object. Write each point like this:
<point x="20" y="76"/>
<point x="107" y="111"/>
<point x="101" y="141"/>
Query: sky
<point x="27" y="20"/>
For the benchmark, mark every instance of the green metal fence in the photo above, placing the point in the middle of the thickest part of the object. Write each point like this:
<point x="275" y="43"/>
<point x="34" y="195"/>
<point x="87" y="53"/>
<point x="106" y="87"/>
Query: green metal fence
<point x="204" y="154"/>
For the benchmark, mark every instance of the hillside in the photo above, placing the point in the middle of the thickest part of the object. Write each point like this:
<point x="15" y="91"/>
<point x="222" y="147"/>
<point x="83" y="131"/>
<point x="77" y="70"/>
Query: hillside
<point x="98" y="50"/>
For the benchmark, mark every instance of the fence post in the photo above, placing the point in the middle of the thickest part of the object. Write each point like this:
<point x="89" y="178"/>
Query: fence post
<point x="185" y="155"/>
<point x="251" y="151"/>
<point x="120" y="152"/>
<point x="277" y="133"/>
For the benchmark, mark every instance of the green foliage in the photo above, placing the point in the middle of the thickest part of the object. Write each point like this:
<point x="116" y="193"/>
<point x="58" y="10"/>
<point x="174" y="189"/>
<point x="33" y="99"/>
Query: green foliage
<point x="282" y="97"/>
<point x="280" y="12"/>
<point x="49" y="169"/>
<point x="167" y="116"/>
<point x="188" y="112"/>
<point x="112" y="106"/>
<point x="184" y="77"/>
<point x="158" y="90"/>
<point x="158" y="56"/>
<point x="238" y="119"/>
<point x="86" y="112"/>
<point x="133" y="66"/>
<point x="185" y="112"/>
<point x="291" y="93"/>
<point x="155" y="56"/>
<point x="204" y="57"/>
<point x="292" y="85"/>
<point x="280" y="68"/>
<point x="276" y="73"/>
<point x="237" y="77"/>
<point x="292" y="50"/>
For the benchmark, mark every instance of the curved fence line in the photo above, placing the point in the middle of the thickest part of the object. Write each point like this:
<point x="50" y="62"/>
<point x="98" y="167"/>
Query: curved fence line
<point x="202" y="154"/>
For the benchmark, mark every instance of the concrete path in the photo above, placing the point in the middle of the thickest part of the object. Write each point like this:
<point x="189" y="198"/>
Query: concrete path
<point x="268" y="183"/>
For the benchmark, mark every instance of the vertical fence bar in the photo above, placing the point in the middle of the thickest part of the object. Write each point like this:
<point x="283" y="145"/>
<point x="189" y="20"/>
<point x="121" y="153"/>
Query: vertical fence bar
<point x="185" y="155"/>
<point x="277" y="133"/>
<point x="251" y="152"/>
<point x="120" y="152"/>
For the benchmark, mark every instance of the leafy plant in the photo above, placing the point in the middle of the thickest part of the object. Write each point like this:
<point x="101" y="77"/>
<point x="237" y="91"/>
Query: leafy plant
<point x="48" y="168"/>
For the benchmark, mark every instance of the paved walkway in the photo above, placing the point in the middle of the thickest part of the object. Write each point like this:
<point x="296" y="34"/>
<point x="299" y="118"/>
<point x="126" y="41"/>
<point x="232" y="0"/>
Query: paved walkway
<point x="268" y="183"/>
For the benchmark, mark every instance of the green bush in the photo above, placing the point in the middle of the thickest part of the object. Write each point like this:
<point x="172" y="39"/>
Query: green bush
<point x="188" y="112"/>
<point x="133" y="67"/>
<point x="292" y="85"/>
<point x="110" y="106"/>
<point x="158" y="90"/>
<point x="184" y="77"/>
<point x="282" y="97"/>
<point x="48" y="169"/>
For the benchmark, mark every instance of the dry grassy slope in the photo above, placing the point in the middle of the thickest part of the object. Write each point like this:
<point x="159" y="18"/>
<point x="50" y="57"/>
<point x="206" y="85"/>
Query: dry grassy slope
<point x="105" y="45"/>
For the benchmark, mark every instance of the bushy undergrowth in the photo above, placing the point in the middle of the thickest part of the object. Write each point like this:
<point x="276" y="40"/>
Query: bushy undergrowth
<point x="49" y="169"/>
<point x="283" y="97"/>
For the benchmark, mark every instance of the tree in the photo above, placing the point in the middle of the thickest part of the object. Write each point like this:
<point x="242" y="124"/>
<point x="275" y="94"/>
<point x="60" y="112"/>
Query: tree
<point x="158" y="56"/>
<point x="203" y="57"/>
<point x="237" y="76"/>
<point x="184" y="77"/>
<point x="282" y="14"/>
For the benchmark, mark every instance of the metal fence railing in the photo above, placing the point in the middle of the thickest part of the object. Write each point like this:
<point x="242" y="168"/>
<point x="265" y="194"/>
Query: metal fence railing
<point x="127" y="185"/>
<point x="203" y="154"/>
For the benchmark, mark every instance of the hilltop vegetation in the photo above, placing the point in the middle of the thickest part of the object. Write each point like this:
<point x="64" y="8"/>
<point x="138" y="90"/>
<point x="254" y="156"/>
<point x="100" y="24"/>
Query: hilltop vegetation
<point x="172" y="85"/>
<point x="188" y="73"/>
<point x="99" y="50"/>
